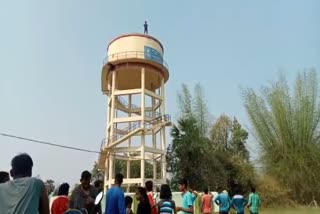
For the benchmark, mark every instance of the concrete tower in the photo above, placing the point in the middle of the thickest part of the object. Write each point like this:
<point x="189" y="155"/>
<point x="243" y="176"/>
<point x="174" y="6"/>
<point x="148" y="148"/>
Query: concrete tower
<point x="133" y="78"/>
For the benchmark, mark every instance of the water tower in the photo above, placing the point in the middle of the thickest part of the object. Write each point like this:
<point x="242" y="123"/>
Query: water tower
<point x="133" y="78"/>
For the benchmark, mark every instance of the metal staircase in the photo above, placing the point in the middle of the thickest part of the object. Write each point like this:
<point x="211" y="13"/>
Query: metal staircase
<point x="154" y="123"/>
<point x="124" y="105"/>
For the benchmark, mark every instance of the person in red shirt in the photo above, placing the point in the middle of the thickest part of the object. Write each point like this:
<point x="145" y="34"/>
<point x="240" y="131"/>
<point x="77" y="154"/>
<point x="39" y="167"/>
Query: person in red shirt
<point x="149" y="186"/>
<point x="61" y="203"/>
<point x="206" y="202"/>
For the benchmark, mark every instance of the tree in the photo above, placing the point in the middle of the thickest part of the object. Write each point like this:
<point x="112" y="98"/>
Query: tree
<point x="228" y="135"/>
<point x="49" y="184"/>
<point x="185" y="101"/>
<point x="230" y="157"/>
<point x="194" y="106"/>
<point x="239" y="138"/>
<point x="96" y="173"/>
<point x="220" y="133"/>
<point x="200" y="110"/>
<point x="286" y="126"/>
<point x="202" y="160"/>
<point x="184" y="155"/>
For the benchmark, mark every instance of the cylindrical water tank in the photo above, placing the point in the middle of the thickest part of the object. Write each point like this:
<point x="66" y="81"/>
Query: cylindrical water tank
<point x="135" y="45"/>
<point x="128" y="54"/>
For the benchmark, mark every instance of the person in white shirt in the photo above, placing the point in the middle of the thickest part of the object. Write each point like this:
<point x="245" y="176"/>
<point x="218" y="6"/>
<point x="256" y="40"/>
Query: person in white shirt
<point x="215" y="209"/>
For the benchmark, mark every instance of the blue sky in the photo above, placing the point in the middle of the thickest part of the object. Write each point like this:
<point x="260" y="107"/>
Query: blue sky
<point x="52" y="51"/>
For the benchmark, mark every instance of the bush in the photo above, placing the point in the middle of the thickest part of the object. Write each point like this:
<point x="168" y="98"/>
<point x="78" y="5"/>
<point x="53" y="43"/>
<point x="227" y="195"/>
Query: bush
<point x="272" y="193"/>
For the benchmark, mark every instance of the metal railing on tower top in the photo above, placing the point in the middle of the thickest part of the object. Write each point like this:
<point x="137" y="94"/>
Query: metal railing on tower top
<point x="138" y="55"/>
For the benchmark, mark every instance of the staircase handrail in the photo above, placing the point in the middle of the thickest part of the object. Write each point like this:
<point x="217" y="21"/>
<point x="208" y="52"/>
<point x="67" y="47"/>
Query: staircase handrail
<point x="126" y="104"/>
<point x="135" y="125"/>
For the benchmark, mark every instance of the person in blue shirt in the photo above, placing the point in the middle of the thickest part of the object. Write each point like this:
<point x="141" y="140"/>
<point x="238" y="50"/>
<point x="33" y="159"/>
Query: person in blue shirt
<point x="187" y="202"/>
<point x="224" y="202"/>
<point x="254" y="201"/>
<point x="115" y="203"/>
<point x="238" y="202"/>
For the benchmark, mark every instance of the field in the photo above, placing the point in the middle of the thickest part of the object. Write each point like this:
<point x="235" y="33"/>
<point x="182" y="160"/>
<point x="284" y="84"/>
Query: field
<point x="291" y="211"/>
<point x="177" y="199"/>
<point x="287" y="211"/>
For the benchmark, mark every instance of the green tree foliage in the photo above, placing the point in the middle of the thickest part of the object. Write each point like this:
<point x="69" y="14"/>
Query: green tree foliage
<point x="215" y="158"/>
<point x="228" y="135"/>
<point x="200" y="110"/>
<point x="96" y="173"/>
<point x="186" y="153"/>
<point x="231" y="157"/>
<point x="286" y="126"/>
<point x="185" y="101"/>
<point x="49" y="184"/>
<point x="239" y="137"/>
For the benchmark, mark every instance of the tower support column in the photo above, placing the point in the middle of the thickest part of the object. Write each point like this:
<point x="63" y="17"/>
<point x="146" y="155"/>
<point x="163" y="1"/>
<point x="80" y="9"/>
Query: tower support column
<point x="143" y="103"/>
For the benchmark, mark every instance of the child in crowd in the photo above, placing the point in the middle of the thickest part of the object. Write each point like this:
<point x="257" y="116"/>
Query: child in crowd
<point x="149" y="187"/>
<point x="128" y="200"/>
<point x="166" y="205"/>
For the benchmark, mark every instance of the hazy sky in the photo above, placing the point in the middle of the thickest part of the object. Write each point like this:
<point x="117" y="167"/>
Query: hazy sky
<point x="52" y="51"/>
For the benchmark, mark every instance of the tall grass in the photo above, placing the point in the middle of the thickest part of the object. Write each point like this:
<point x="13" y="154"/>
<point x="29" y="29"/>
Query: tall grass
<point x="286" y="125"/>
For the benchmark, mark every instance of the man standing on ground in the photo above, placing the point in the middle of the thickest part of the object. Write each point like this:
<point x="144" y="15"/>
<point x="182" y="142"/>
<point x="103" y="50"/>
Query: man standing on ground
<point x="215" y="206"/>
<point x="187" y="203"/>
<point x="24" y="194"/>
<point x="254" y="202"/>
<point x="115" y="203"/>
<point x="238" y="202"/>
<point x="83" y="196"/>
<point x="149" y="187"/>
<point x="224" y="202"/>
<point x="206" y="202"/>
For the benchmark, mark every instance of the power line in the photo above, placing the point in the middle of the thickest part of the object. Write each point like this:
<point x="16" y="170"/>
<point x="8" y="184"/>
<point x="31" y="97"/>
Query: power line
<point x="49" y="144"/>
<point x="71" y="147"/>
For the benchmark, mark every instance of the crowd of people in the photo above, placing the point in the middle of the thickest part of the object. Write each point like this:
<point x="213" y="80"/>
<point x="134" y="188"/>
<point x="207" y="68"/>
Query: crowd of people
<point x="148" y="205"/>
<point x="26" y="194"/>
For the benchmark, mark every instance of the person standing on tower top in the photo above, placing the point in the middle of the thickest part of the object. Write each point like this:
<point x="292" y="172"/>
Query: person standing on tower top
<point x="145" y="27"/>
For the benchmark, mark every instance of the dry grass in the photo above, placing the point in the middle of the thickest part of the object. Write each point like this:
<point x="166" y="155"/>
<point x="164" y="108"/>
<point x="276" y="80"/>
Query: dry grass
<point x="291" y="211"/>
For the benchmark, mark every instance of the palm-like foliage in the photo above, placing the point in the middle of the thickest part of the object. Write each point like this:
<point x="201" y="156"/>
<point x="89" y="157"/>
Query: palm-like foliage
<point x="201" y="160"/>
<point x="286" y="126"/>
<point x="185" y="154"/>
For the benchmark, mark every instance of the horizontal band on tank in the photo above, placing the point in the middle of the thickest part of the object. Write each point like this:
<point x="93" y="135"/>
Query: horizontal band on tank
<point x="135" y="55"/>
<point x="139" y="35"/>
<point x="122" y="65"/>
<point x="132" y="64"/>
